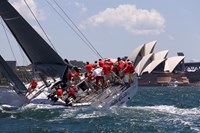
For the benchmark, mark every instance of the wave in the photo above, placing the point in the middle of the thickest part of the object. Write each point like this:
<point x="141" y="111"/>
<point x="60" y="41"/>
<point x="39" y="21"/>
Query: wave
<point x="168" y="109"/>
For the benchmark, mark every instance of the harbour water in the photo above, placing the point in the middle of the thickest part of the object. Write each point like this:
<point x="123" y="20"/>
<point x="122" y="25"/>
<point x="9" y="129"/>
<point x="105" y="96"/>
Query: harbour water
<point x="152" y="110"/>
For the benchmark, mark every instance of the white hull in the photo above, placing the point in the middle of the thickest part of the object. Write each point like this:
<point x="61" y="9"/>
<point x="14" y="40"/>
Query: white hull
<point x="117" y="95"/>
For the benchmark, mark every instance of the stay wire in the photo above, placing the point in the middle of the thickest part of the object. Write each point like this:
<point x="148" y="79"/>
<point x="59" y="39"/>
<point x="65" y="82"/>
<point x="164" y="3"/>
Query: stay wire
<point x="5" y="30"/>
<point x="88" y="43"/>
<point x="21" y="52"/>
<point x="40" y="25"/>
<point x="8" y="41"/>
<point x="70" y="26"/>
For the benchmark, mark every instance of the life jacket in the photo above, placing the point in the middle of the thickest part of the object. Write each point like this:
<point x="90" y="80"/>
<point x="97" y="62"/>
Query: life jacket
<point x="132" y="68"/>
<point x="110" y="63"/>
<point x="120" y="65"/>
<point x="129" y="69"/>
<point x="70" y="75"/>
<point x="59" y="92"/>
<point x="72" y="90"/>
<point x="94" y="66"/>
<point x="107" y="69"/>
<point x="88" y="67"/>
<point x="101" y="63"/>
<point x="89" y="76"/>
<point x="33" y="84"/>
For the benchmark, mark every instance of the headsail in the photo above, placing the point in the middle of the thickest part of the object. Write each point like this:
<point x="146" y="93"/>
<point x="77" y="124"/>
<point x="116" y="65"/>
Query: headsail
<point x="41" y="55"/>
<point x="19" y="87"/>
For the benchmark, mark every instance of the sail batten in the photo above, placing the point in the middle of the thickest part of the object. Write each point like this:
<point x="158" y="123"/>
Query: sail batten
<point x="38" y="51"/>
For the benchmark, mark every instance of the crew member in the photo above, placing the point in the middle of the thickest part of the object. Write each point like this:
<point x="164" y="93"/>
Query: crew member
<point x="101" y="63"/>
<point x="32" y="85"/>
<point x="98" y="74"/>
<point x="71" y="93"/>
<point x="128" y="72"/>
<point x="94" y="66"/>
<point x="107" y="72"/>
<point x="88" y="67"/>
<point x="59" y="92"/>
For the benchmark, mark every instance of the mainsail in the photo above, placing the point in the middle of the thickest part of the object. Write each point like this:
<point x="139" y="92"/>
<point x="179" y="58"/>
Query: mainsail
<point x="41" y="55"/>
<point x="19" y="87"/>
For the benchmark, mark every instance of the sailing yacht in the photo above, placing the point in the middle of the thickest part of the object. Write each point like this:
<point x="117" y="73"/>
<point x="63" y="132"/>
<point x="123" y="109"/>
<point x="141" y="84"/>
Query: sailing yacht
<point x="53" y="70"/>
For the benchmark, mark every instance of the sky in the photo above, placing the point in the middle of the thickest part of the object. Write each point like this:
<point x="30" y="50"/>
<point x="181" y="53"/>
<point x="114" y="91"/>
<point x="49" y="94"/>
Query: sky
<point x="113" y="27"/>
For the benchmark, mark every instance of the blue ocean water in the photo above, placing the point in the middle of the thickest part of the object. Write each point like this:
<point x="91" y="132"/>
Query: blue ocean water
<point x="152" y="110"/>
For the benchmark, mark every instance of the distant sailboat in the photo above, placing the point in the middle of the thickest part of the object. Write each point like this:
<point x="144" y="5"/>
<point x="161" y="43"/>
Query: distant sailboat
<point x="38" y="52"/>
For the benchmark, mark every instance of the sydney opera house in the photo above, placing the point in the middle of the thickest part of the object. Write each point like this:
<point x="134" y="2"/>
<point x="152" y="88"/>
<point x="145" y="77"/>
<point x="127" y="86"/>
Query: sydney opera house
<point x="156" y="68"/>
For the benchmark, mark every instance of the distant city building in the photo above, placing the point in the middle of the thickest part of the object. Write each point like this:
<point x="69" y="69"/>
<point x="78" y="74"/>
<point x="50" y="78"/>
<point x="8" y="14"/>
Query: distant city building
<point x="192" y="70"/>
<point x="192" y="66"/>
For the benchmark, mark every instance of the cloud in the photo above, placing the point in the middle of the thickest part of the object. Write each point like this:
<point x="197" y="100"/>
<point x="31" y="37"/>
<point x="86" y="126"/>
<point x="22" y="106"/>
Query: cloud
<point x="131" y="19"/>
<point x="81" y="7"/>
<point x="21" y="7"/>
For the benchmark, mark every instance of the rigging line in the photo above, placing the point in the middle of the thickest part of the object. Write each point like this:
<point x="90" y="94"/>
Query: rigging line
<point x="9" y="41"/>
<point x="78" y="29"/>
<point x="5" y="28"/>
<point x="10" y="46"/>
<point x="23" y="56"/>
<point x="40" y="25"/>
<point x="71" y="27"/>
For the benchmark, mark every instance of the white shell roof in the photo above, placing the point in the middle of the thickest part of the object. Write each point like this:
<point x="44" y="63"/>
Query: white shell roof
<point x="135" y="53"/>
<point x="158" y="58"/>
<point x="149" y="47"/>
<point x="172" y="62"/>
<point x="161" y="55"/>
<point x="152" y="65"/>
<point x="144" y="53"/>
<point x="143" y="62"/>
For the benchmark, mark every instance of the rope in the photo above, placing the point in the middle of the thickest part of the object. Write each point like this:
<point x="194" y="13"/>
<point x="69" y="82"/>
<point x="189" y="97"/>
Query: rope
<point x="40" y="25"/>
<point x="83" y="38"/>
<point x="23" y="56"/>
<point x="77" y="29"/>
<point x="8" y="41"/>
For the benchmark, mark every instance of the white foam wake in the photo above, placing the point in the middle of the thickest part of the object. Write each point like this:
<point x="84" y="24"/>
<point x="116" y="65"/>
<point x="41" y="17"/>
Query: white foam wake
<point x="171" y="109"/>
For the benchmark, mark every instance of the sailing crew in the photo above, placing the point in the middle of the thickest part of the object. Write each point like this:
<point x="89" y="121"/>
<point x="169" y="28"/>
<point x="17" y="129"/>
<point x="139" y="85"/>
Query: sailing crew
<point x="110" y="62"/>
<point x="98" y="75"/>
<point x="32" y="85"/>
<point x="126" y="62"/>
<point x="94" y="66"/>
<point x="88" y="67"/>
<point x="107" y="72"/>
<point x="77" y="75"/>
<point x="128" y="72"/>
<point x="101" y="63"/>
<point x="71" y="95"/>
<point x="72" y="90"/>
<point x="59" y="92"/>
<point x="70" y="75"/>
